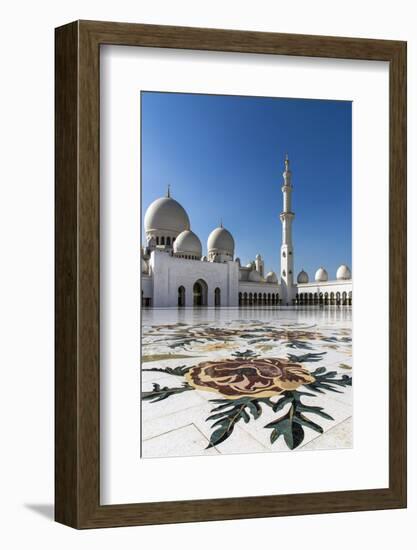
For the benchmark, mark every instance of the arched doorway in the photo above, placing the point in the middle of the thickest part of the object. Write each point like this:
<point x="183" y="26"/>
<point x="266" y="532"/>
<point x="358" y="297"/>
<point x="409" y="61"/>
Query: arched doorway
<point x="199" y="293"/>
<point x="181" y="296"/>
<point x="217" y="297"/>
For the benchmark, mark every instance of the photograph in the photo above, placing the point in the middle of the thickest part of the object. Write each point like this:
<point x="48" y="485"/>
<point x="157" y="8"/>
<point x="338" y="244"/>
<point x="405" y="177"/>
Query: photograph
<point x="207" y="232"/>
<point x="246" y="274"/>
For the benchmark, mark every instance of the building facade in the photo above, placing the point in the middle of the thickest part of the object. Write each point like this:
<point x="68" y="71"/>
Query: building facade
<point x="175" y="273"/>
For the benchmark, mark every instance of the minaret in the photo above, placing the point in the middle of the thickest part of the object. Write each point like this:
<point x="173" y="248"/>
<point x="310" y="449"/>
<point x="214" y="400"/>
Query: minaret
<point x="259" y="264"/>
<point x="287" y="251"/>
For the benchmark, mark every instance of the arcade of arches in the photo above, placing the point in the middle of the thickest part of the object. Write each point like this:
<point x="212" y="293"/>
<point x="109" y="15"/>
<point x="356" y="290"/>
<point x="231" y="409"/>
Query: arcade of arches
<point x="258" y="298"/>
<point x="324" y="298"/>
<point x="200" y="295"/>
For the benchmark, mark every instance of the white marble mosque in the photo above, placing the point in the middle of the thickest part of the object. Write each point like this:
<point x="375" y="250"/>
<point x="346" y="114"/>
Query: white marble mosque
<point x="175" y="273"/>
<point x="247" y="376"/>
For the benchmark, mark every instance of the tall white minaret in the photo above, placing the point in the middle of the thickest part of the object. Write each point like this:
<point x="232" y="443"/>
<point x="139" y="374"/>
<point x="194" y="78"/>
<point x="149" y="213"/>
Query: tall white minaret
<point x="287" y="250"/>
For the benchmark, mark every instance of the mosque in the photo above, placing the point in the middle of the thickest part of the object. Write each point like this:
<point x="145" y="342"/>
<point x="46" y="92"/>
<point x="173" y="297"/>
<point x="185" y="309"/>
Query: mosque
<point x="175" y="273"/>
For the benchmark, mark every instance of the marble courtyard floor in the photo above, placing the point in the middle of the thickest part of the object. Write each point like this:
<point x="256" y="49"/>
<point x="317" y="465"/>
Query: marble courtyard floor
<point x="245" y="380"/>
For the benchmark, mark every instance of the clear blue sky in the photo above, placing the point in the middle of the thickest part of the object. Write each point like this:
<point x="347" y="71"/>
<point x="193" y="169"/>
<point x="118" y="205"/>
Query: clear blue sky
<point x="224" y="158"/>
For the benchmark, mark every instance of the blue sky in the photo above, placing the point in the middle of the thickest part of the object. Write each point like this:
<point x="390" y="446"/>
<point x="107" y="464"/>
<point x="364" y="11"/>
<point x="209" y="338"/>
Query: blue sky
<point x="224" y="156"/>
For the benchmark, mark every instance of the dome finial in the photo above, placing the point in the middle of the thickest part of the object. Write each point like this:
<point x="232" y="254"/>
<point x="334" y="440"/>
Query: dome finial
<point x="221" y="222"/>
<point x="287" y="162"/>
<point x="169" y="190"/>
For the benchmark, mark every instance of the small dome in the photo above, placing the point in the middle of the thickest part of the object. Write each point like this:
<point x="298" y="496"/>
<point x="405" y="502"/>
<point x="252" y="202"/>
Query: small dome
<point x="258" y="257"/>
<point x="255" y="276"/>
<point x="302" y="277"/>
<point x="237" y="260"/>
<point x="271" y="277"/>
<point x="249" y="265"/>
<point x="221" y="240"/>
<point x="343" y="273"/>
<point x="166" y="214"/>
<point x="187" y="242"/>
<point x="321" y="275"/>
<point x="144" y="266"/>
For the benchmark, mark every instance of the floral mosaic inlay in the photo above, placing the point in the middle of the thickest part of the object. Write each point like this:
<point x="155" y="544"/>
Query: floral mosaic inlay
<point x="290" y="379"/>
<point x="236" y="378"/>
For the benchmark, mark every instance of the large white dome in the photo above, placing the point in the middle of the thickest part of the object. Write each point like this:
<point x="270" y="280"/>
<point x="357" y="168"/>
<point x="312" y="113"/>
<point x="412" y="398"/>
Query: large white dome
<point x="187" y="242"/>
<point x="343" y="273"/>
<point x="302" y="277"/>
<point x="166" y="214"/>
<point x="221" y="240"/>
<point x="271" y="277"/>
<point x="321" y="275"/>
<point x="255" y="276"/>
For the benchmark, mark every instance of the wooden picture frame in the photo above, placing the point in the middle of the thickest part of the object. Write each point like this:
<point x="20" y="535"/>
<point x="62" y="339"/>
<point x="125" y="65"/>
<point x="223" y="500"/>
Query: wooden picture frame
<point x="77" y="405"/>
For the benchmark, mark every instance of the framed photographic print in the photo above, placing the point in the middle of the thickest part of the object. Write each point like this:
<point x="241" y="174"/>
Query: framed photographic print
<point x="230" y="274"/>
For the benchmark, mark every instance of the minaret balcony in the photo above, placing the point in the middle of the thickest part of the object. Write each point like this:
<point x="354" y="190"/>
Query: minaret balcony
<point x="286" y="216"/>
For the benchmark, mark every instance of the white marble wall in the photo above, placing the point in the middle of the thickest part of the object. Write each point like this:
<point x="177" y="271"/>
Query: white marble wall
<point x="169" y="273"/>
<point x="147" y="286"/>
